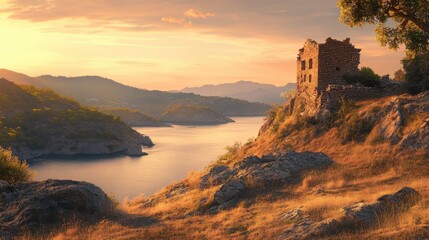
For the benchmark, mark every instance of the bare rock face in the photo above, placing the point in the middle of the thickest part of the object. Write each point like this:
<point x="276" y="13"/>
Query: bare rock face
<point x="255" y="172"/>
<point x="357" y="216"/>
<point x="403" y="121"/>
<point x="217" y="175"/>
<point x="274" y="169"/>
<point x="229" y="191"/>
<point x="39" y="205"/>
<point x="392" y="121"/>
<point x="419" y="138"/>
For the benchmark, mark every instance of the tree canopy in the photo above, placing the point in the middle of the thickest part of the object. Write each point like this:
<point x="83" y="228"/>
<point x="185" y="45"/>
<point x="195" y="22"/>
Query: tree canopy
<point x="397" y="21"/>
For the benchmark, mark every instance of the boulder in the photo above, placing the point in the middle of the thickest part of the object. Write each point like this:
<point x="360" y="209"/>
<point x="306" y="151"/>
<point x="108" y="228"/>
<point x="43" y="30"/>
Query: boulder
<point x="217" y="175"/>
<point x="35" y="206"/>
<point x="274" y="169"/>
<point x="357" y="216"/>
<point x="229" y="191"/>
<point x="259" y="172"/>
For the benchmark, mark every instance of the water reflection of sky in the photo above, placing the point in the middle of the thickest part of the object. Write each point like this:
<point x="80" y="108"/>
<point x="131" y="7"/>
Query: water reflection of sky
<point x="177" y="152"/>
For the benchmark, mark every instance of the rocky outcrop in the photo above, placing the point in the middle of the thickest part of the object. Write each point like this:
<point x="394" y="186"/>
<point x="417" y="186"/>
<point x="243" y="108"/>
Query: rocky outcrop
<point x="259" y="172"/>
<point x="35" y="206"/>
<point x="268" y="170"/>
<point x="356" y="217"/>
<point x="403" y="121"/>
<point x="229" y="191"/>
<point x="417" y="139"/>
<point x="194" y="115"/>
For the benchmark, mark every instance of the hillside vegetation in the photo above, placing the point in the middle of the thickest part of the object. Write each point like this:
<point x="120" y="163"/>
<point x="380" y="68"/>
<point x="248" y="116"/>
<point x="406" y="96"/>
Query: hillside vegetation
<point x="361" y="174"/>
<point x="134" y="118"/>
<point x="103" y="92"/>
<point x="37" y="122"/>
<point x="12" y="169"/>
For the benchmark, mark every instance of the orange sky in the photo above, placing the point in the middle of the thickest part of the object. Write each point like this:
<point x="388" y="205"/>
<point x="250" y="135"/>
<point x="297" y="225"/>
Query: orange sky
<point x="172" y="44"/>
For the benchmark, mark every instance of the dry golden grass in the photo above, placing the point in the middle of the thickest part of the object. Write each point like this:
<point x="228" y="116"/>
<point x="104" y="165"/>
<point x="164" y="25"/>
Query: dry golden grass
<point x="362" y="171"/>
<point x="321" y="194"/>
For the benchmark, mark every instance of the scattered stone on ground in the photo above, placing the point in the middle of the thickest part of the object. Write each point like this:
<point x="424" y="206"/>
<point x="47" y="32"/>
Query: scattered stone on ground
<point x="356" y="217"/>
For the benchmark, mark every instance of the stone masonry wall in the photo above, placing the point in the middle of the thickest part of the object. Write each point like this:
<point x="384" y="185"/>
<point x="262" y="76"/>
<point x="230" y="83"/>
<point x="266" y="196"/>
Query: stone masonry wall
<point x="307" y="66"/>
<point x="336" y="59"/>
<point x="321" y="93"/>
<point x="330" y="99"/>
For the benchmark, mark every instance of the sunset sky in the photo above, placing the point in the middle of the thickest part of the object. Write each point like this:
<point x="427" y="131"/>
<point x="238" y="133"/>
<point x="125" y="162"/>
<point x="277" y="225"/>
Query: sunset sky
<point x="171" y="44"/>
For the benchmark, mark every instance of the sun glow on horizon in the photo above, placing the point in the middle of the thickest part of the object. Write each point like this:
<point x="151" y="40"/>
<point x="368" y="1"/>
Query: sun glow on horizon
<point x="155" y="54"/>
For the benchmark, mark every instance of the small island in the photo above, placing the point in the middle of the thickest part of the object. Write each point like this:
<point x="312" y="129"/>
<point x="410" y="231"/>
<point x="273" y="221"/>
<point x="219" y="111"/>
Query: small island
<point x="134" y="118"/>
<point x="193" y="115"/>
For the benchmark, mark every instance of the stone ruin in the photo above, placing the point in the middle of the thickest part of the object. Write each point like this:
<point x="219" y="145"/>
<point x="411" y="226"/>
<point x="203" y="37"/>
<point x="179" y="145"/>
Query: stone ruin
<point x="321" y="68"/>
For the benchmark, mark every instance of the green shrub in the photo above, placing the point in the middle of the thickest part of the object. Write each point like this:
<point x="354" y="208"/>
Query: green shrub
<point x="399" y="75"/>
<point x="366" y="77"/>
<point x="12" y="169"/>
<point x="417" y="72"/>
<point x="231" y="151"/>
<point x="351" y="79"/>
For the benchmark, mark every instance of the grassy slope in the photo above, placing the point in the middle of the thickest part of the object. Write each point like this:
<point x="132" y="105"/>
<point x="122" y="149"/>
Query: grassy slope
<point x="364" y="170"/>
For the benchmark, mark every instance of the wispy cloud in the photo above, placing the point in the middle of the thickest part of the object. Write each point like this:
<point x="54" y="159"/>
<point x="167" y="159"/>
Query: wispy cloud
<point x="193" y="13"/>
<point x="177" y="20"/>
<point x="247" y="39"/>
<point x="185" y="20"/>
<point x="272" y="19"/>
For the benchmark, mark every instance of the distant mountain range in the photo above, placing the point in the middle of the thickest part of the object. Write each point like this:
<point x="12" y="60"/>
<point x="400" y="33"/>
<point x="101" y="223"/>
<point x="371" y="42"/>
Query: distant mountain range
<point x="103" y="92"/>
<point x="244" y="90"/>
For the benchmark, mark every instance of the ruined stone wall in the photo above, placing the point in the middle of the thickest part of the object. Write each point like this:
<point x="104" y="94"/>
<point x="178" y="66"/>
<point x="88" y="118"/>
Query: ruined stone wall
<point x="307" y="66"/>
<point x="337" y="58"/>
<point x="321" y="93"/>
<point x="330" y="99"/>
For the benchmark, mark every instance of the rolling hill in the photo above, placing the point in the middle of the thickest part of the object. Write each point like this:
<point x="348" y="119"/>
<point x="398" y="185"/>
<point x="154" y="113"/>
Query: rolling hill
<point x="103" y="92"/>
<point x="244" y="90"/>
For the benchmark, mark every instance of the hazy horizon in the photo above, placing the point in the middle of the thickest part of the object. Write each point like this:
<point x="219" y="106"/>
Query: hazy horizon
<point x="170" y="45"/>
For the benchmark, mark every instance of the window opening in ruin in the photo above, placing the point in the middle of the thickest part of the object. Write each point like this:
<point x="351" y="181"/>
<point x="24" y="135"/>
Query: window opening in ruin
<point x="310" y="63"/>
<point x="302" y="65"/>
<point x="309" y="78"/>
<point x="305" y="78"/>
<point x="338" y="69"/>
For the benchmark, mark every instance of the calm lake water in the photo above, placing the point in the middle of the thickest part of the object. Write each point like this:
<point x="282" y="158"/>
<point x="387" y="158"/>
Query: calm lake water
<point x="177" y="152"/>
